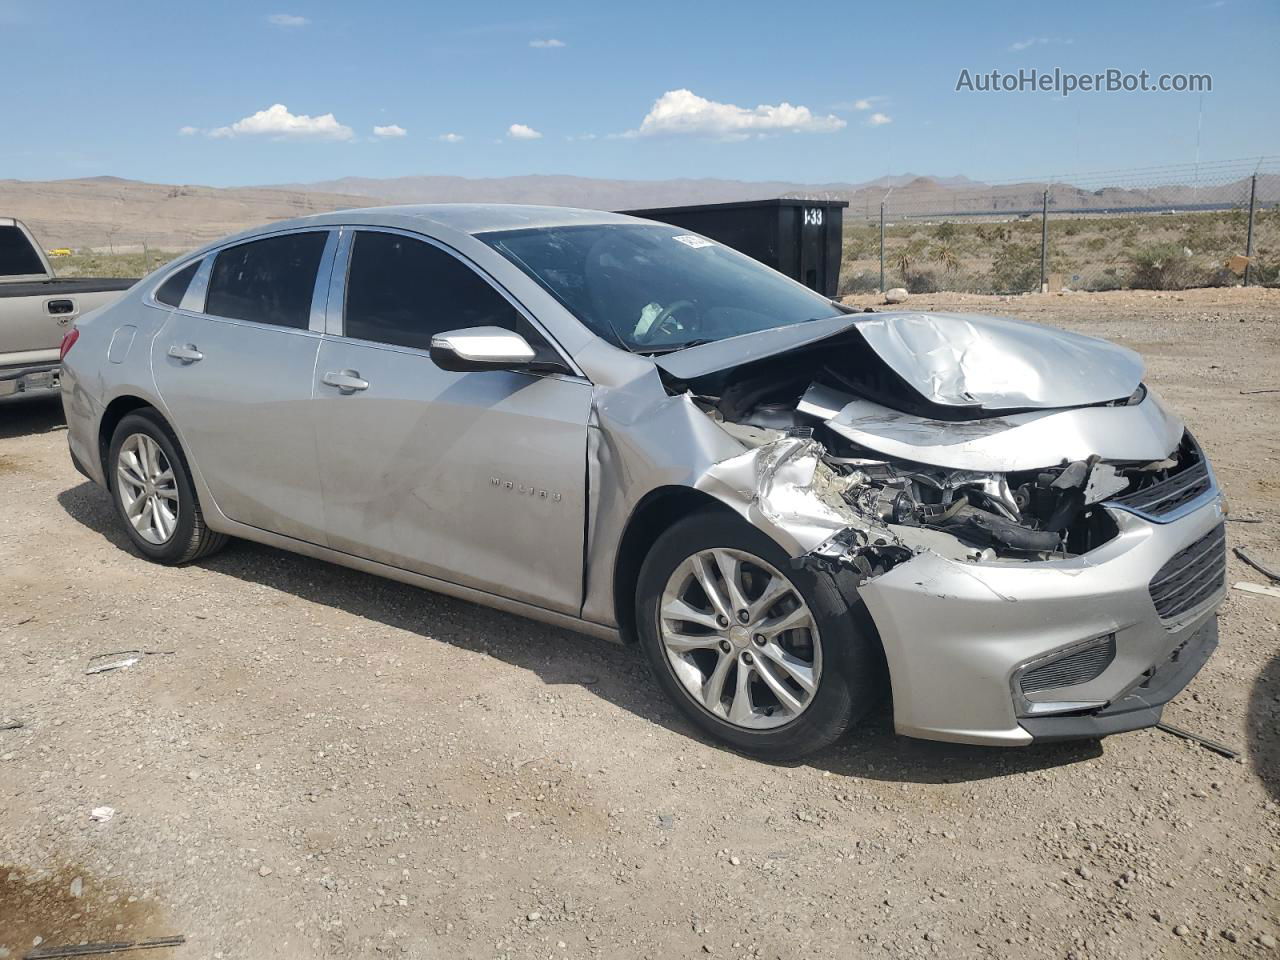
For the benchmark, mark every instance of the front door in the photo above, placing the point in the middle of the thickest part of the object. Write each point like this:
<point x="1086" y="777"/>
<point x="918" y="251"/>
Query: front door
<point x="475" y="478"/>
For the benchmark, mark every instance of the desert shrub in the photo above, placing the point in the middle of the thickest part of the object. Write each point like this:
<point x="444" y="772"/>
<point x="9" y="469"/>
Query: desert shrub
<point x="968" y="283"/>
<point x="945" y="255"/>
<point x="1108" y="279"/>
<point x="1265" y="272"/>
<point x="1161" y="266"/>
<point x="1218" y="276"/>
<point x="861" y="282"/>
<point x="921" y="281"/>
<point x="1094" y="244"/>
<point x="945" y="231"/>
<point x="1016" y="268"/>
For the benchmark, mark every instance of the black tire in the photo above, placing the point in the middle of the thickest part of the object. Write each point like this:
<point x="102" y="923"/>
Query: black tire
<point x="191" y="539"/>
<point x="852" y="680"/>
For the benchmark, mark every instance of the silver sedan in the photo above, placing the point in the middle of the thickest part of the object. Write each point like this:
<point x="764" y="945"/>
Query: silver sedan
<point x="630" y="430"/>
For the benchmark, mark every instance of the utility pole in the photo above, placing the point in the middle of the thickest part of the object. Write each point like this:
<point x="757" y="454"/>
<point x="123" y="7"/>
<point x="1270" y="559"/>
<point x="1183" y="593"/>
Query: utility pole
<point x="1248" y="242"/>
<point x="1044" y="238"/>
<point x="882" y="245"/>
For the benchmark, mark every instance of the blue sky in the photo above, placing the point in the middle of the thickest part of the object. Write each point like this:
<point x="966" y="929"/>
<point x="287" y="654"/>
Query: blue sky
<point x="638" y="91"/>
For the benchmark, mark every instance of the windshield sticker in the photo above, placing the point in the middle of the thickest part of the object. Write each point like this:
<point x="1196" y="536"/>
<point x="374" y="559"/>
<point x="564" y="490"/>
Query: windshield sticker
<point x="693" y="240"/>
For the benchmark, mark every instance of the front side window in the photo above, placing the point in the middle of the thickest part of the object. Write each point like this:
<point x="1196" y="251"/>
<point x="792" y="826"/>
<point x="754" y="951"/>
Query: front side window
<point x="651" y="288"/>
<point x="267" y="281"/>
<point x="174" y="289"/>
<point x="403" y="291"/>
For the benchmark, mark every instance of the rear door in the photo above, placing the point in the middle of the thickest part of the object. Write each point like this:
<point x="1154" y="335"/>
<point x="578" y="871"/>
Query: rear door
<point x="234" y="365"/>
<point x="476" y="478"/>
<point x="31" y="324"/>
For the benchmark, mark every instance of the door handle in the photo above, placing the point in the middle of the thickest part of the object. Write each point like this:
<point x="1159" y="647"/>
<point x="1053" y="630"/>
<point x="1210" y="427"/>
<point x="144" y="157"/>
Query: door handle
<point x="186" y="353"/>
<point x="347" y="381"/>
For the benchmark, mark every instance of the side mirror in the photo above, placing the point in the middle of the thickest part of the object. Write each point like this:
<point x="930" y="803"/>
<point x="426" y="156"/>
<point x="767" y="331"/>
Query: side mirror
<point x="480" y="348"/>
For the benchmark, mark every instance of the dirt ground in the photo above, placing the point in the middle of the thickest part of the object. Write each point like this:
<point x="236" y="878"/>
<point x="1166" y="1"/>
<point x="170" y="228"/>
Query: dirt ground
<point x="318" y="763"/>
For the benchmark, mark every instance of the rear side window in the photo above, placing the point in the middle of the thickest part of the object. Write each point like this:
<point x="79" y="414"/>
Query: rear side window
<point x="267" y="281"/>
<point x="402" y="291"/>
<point x="174" y="289"/>
<point x="17" y="257"/>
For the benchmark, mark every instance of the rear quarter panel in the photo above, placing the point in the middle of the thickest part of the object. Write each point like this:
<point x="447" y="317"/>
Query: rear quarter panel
<point x="111" y="359"/>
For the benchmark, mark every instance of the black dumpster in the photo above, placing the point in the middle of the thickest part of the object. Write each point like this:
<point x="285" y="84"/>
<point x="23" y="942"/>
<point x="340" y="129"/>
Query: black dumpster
<point x="800" y="238"/>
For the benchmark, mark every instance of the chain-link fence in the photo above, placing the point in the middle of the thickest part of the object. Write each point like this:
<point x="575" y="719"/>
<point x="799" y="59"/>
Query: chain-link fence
<point x="110" y="256"/>
<point x="1163" y="228"/>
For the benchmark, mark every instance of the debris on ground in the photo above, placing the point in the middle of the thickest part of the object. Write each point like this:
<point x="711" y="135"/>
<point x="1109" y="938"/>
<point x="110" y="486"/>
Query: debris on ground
<point x="120" y="660"/>
<point x="1257" y="565"/>
<point x="1205" y="742"/>
<point x="1265" y="589"/>
<point x="10" y="723"/>
<point x="102" y="814"/>
<point x="98" y="949"/>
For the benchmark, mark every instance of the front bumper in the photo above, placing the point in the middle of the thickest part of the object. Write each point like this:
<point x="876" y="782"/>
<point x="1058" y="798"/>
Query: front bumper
<point x="957" y="634"/>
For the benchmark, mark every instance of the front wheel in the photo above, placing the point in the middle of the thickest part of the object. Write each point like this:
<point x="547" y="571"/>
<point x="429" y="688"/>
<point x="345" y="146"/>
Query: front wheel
<point x="772" y="660"/>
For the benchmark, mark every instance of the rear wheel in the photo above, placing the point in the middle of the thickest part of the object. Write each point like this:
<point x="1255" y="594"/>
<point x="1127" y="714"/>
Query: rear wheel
<point x="772" y="660"/>
<point x="153" y="493"/>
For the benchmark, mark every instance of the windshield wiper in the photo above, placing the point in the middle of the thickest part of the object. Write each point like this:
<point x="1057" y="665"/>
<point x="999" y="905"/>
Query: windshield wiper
<point x="676" y="346"/>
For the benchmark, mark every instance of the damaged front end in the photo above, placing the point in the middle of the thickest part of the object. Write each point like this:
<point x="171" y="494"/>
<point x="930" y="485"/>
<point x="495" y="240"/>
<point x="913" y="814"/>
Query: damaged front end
<point x="854" y="462"/>
<point x="1039" y="563"/>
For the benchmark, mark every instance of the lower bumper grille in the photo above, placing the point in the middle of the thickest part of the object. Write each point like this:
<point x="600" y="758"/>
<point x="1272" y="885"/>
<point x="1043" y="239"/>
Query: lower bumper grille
<point x="1080" y="666"/>
<point x="1191" y="576"/>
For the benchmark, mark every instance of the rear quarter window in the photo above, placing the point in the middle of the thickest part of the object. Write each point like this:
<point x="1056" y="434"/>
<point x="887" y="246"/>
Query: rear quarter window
<point x="267" y="281"/>
<point x="17" y="257"/>
<point x="174" y="289"/>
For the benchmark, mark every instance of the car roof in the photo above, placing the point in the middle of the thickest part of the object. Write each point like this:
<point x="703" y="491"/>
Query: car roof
<point x="469" y="218"/>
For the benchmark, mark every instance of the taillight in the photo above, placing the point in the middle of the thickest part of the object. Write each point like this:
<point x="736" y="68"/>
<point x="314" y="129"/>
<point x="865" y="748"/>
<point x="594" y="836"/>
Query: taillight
<point x="68" y="341"/>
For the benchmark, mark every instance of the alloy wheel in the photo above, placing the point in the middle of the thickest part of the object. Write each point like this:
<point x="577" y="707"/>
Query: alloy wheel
<point x="740" y="638"/>
<point x="147" y="488"/>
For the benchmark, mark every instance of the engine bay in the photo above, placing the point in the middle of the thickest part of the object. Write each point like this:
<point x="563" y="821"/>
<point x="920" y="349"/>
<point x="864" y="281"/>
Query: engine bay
<point x="1029" y="513"/>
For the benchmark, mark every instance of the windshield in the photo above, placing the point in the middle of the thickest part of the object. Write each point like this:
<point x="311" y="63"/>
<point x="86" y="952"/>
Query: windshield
<point x="652" y="288"/>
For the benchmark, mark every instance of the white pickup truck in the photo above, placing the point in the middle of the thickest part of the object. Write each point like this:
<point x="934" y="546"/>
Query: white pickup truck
<point x="37" y="309"/>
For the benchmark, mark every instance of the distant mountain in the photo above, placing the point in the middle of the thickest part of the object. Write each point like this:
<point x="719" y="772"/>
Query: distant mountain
<point x="905" y="194"/>
<point x="570" y="191"/>
<point x="113" y="212"/>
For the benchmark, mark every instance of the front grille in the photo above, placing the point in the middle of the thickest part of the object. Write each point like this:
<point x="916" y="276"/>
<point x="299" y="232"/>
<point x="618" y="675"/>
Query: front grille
<point x="1163" y="497"/>
<point x="1191" y="576"/>
<point x="1080" y="666"/>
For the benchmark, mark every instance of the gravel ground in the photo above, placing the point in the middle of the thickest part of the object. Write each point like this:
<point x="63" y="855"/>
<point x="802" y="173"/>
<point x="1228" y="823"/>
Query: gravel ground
<point x="318" y="763"/>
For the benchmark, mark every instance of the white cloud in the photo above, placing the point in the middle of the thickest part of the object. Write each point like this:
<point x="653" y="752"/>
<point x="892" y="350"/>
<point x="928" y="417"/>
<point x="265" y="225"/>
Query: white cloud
<point x="1036" y="42"/>
<point x="287" y="20"/>
<point x="188" y="131"/>
<point x="390" y="130"/>
<point x="276" y="121"/>
<point x="878" y="120"/>
<point x="450" y="137"/>
<point x="518" y="131"/>
<point x="684" y="112"/>
<point x="550" y="43"/>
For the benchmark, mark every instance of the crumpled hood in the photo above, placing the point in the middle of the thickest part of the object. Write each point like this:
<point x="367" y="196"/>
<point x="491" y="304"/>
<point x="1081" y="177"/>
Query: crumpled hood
<point x="962" y="360"/>
<point x="985" y="364"/>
